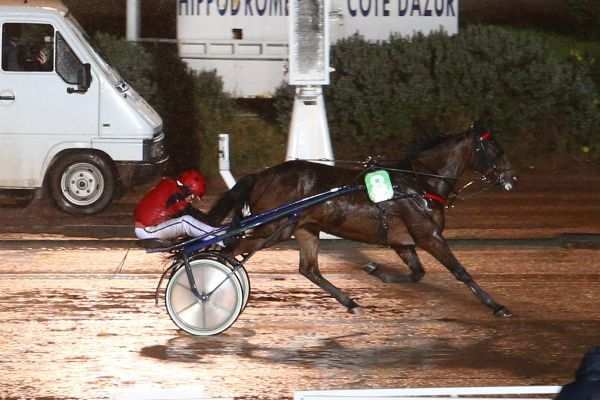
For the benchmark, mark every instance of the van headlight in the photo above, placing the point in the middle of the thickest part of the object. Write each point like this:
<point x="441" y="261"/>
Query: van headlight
<point x="155" y="150"/>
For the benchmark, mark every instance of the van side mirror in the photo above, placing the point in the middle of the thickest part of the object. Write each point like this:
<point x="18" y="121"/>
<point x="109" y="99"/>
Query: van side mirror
<point x="84" y="79"/>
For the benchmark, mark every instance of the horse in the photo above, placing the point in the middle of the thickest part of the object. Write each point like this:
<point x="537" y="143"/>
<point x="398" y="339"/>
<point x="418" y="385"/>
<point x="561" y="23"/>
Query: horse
<point x="414" y="217"/>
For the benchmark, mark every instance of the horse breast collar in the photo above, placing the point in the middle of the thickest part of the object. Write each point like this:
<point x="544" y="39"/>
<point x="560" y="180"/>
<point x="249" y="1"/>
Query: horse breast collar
<point x="435" y="197"/>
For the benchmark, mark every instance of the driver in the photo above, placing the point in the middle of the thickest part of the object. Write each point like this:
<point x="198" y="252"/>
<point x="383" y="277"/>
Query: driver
<point x="166" y="211"/>
<point x="14" y="55"/>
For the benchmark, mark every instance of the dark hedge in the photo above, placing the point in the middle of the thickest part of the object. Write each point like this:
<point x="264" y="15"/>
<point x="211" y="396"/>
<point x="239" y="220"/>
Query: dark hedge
<point x="397" y="90"/>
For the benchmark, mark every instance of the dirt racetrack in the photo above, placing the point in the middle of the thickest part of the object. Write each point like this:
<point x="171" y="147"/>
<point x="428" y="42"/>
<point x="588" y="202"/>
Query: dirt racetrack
<point x="75" y="323"/>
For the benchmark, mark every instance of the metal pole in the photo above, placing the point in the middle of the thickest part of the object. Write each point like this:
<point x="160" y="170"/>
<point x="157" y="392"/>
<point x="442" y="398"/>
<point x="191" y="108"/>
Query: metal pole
<point x="133" y="20"/>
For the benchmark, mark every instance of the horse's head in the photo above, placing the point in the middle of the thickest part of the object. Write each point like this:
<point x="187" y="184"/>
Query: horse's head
<point x="490" y="161"/>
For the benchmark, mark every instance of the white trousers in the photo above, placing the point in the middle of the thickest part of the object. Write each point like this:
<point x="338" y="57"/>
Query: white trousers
<point x="173" y="228"/>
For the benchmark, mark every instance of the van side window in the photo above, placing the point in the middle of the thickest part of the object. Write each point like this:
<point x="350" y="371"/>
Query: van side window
<point x="27" y="47"/>
<point x="67" y="63"/>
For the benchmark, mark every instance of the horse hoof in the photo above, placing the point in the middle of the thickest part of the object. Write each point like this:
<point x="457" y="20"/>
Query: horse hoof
<point x="357" y="310"/>
<point x="370" y="268"/>
<point x="502" y="312"/>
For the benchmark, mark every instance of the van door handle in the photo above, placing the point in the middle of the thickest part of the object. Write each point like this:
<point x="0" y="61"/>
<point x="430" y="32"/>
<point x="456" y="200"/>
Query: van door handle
<point x="8" y="98"/>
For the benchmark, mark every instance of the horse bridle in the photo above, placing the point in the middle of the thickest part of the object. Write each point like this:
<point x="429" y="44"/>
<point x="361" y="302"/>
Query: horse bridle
<point x="490" y="172"/>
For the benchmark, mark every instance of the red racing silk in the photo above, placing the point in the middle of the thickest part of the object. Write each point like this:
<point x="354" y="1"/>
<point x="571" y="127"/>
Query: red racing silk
<point x="165" y="201"/>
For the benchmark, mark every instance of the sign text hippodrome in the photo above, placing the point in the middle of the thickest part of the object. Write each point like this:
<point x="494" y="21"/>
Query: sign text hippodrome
<point x="355" y="8"/>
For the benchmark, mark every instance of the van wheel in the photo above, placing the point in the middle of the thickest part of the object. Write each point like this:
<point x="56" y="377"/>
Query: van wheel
<point x="82" y="183"/>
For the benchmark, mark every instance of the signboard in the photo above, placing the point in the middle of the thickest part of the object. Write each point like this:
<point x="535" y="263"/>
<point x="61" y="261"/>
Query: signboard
<point x="267" y="19"/>
<point x="249" y="38"/>
<point x="309" y="43"/>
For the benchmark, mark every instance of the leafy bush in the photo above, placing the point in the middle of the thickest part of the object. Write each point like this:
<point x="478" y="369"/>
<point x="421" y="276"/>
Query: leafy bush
<point x="395" y="90"/>
<point x="254" y="143"/>
<point x="133" y="62"/>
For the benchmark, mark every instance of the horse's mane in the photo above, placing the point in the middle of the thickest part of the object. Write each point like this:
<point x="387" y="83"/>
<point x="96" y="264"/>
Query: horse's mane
<point x="424" y="143"/>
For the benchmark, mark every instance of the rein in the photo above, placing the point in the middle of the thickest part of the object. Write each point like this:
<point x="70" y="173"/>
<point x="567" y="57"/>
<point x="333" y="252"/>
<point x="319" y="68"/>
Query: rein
<point x="371" y="162"/>
<point x="374" y="162"/>
<point x="417" y="173"/>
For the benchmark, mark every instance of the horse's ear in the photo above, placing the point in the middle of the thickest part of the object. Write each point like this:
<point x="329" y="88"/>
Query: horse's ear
<point x="479" y="126"/>
<point x="481" y="130"/>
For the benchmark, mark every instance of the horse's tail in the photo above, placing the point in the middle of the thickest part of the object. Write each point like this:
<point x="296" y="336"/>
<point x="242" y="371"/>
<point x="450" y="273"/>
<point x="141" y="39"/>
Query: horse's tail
<point x="232" y="200"/>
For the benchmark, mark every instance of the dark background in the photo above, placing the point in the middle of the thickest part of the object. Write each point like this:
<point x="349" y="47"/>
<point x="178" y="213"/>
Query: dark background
<point x="158" y="16"/>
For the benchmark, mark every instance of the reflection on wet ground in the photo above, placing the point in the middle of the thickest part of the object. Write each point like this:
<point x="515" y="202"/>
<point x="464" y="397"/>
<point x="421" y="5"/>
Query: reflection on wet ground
<point x="73" y="328"/>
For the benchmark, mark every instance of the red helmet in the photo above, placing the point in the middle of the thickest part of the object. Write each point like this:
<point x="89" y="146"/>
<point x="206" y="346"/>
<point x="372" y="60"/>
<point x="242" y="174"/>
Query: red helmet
<point x="194" y="181"/>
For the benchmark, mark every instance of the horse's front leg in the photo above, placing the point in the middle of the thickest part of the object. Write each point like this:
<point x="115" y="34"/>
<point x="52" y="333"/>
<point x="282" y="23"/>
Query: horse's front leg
<point x="309" y="267"/>
<point x="437" y="246"/>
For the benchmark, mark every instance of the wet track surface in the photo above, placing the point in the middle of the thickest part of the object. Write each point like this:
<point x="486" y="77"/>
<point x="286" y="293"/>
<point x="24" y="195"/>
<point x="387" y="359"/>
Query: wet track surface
<point x="71" y="327"/>
<point x="76" y="322"/>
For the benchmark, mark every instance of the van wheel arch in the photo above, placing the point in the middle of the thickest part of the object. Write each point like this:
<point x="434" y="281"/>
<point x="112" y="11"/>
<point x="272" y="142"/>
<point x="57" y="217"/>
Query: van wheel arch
<point x="82" y="182"/>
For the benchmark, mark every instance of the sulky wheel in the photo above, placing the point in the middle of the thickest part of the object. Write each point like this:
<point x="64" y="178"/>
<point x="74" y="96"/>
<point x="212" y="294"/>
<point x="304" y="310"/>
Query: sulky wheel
<point x="220" y="303"/>
<point x="233" y="265"/>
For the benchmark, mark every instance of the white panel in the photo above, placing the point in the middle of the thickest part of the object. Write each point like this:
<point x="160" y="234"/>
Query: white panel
<point x="499" y="393"/>
<point x="244" y="78"/>
<point x="130" y="150"/>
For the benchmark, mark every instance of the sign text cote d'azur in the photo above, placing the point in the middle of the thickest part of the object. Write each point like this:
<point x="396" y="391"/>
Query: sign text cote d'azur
<point x="354" y="8"/>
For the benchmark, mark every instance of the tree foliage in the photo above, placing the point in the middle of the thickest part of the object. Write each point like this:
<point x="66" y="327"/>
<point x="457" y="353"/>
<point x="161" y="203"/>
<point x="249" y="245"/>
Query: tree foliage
<point x="405" y="87"/>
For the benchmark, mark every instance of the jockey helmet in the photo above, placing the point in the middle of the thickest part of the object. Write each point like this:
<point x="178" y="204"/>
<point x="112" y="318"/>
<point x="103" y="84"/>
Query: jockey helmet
<point x="194" y="181"/>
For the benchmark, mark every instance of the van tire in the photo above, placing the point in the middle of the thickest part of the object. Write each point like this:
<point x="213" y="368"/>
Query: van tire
<point x="82" y="183"/>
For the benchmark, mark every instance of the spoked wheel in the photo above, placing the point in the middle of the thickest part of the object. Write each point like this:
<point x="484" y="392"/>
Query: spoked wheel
<point x="235" y="266"/>
<point x="219" y="305"/>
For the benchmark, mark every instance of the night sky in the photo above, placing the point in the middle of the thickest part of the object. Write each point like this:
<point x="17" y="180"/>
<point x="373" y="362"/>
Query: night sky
<point x="158" y="16"/>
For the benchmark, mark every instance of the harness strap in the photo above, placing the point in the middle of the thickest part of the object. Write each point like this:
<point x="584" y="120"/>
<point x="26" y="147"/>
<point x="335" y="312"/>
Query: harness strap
<point x="383" y="223"/>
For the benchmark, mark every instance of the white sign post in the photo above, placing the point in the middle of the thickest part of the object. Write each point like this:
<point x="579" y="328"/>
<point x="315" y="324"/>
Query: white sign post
<point x="133" y="20"/>
<point x="309" y="70"/>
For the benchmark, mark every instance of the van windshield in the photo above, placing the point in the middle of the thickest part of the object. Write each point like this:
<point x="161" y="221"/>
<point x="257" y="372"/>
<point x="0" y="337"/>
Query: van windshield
<point x="109" y="71"/>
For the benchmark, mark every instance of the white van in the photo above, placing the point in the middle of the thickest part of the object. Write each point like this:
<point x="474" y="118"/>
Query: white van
<point x="68" y="122"/>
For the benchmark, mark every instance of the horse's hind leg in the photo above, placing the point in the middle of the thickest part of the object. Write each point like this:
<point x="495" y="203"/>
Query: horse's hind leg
<point x="438" y="247"/>
<point x="309" y="267"/>
<point x="410" y="258"/>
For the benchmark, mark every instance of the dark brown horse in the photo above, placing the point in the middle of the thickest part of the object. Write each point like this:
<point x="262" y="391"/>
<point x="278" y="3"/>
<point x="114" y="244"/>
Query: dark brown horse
<point x="415" y="217"/>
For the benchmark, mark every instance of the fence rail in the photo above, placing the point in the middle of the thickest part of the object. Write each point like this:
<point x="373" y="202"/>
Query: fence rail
<point x="226" y="49"/>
